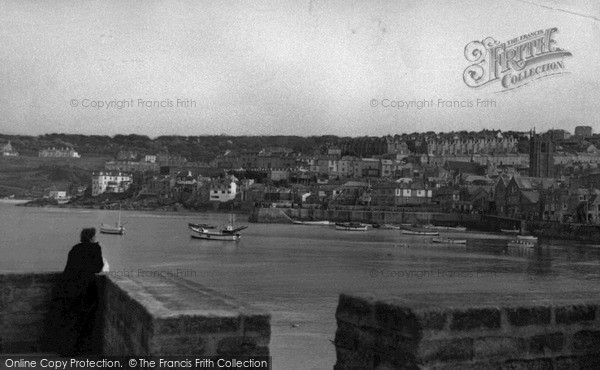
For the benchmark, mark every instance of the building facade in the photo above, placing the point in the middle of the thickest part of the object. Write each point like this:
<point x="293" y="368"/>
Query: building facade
<point x="58" y="153"/>
<point x="110" y="182"/>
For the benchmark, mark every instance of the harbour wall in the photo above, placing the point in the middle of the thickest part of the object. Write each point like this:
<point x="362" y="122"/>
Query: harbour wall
<point x="468" y="331"/>
<point x="286" y="215"/>
<point x="137" y="316"/>
<point x="556" y="230"/>
<point x="543" y="229"/>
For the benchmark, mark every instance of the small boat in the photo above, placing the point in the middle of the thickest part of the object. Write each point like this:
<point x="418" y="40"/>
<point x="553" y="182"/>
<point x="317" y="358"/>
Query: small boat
<point x="446" y="228"/>
<point x="350" y="226"/>
<point x="420" y="232"/>
<point x="118" y="229"/>
<point x="456" y="228"/>
<point x="227" y="232"/>
<point x="312" y="223"/>
<point x="390" y="227"/>
<point x="510" y="231"/>
<point x="527" y="238"/>
<point x="115" y="230"/>
<point x="449" y="241"/>
<point x="522" y="243"/>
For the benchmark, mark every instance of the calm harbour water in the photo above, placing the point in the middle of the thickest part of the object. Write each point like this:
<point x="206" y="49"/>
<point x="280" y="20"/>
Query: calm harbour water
<point x="297" y="272"/>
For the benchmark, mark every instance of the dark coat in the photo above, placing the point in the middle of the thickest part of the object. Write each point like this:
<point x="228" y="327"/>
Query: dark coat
<point x="75" y="301"/>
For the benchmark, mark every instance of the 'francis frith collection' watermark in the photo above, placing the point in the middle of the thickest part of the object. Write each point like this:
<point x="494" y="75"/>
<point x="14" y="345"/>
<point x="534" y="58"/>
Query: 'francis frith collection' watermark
<point x="516" y="62"/>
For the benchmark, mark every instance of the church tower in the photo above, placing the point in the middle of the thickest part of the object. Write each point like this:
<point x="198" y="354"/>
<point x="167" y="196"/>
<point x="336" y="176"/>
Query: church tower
<point x="541" y="155"/>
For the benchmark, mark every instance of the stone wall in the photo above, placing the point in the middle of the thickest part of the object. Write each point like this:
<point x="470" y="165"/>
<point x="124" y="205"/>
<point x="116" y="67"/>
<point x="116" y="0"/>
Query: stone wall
<point x="469" y="331"/>
<point x="285" y="215"/>
<point x="171" y="316"/>
<point x="24" y="304"/>
<point x="138" y="316"/>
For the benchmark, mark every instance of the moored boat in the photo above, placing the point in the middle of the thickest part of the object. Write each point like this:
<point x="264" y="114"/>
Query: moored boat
<point x="115" y="230"/>
<point x="419" y="232"/>
<point x="227" y="232"/>
<point x="350" y="226"/>
<point x="390" y="227"/>
<point x="312" y="223"/>
<point x="118" y="229"/>
<point x="510" y="231"/>
<point x="527" y="238"/>
<point x="446" y="228"/>
<point x="449" y="241"/>
<point x="522" y="243"/>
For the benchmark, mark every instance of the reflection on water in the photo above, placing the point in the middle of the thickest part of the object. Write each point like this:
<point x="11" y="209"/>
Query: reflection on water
<point x="297" y="272"/>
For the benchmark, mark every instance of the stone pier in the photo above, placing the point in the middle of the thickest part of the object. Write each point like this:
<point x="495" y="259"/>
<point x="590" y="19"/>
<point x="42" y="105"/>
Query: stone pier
<point x="469" y="331"/>
<point x="138" y="316"/>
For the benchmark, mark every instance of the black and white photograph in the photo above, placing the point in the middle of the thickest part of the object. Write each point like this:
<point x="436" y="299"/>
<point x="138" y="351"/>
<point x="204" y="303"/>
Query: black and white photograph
<point x="314" y="184"/>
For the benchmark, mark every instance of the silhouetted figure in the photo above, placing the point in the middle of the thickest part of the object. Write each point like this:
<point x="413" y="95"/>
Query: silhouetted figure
<point x="76" y="298"/>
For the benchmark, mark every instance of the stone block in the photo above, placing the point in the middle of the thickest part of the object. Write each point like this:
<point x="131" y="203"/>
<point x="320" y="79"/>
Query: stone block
<point x="432" y="320"/>
<point x="20" y="346"/>
<point x="551" y="343"/>
<point x="577" y="362"/>
<point x="348" y="359"/>
<point x="498" y="347"/>
<point x="575" y="314"/>
<point x="397" y="318"/>
<point x="396" y="345"/>
<point x="239" y="346"/>
<point x="168" y="326"/>
<point x="524" y="316"/>
<point x="586" y="341"/>
<point x="535" y="364"/>
<point x="226" y="322"/>
<point x="257" y="323"/>
<point x="17" y="280"/>
<point x="458" y="349"/>
<point x="475" y="318"/>
<point x="354" y="338"/>
<point x="355" y="310"/>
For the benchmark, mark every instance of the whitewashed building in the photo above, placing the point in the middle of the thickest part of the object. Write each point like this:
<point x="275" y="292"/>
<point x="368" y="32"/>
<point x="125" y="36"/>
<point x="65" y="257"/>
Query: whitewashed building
<point x="110" y="182"/>
<point x="223" y="190"/>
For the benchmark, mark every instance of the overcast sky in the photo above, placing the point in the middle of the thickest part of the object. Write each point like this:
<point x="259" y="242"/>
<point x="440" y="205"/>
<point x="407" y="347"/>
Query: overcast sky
<point x="282" y="67"/>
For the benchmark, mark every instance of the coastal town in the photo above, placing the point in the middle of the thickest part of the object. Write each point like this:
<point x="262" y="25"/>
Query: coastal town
<point x="549" y="176"/>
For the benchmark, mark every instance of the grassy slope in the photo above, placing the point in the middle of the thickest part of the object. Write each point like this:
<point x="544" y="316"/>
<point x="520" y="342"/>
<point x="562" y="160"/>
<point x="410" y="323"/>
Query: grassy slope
<point x="34" y="177"/>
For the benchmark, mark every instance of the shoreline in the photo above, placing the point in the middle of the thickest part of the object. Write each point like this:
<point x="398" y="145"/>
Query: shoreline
<point x="164" y="209"/>
<point x="15" y="201"/>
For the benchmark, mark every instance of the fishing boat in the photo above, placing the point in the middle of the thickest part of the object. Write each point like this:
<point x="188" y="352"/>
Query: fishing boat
<point x="522" y="243"/>
<point x="118" y="229"/>
<point x="419" y="232"/>
<point x="226" y="232"/>
<point x="446" y="228"/>
<point x="530" y="238"/>
<point x="350" y="226"/>
<point x="390" y="227"/>
<point x="449" y="241"/>
<point x="312" y="223"/>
